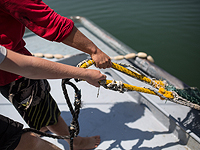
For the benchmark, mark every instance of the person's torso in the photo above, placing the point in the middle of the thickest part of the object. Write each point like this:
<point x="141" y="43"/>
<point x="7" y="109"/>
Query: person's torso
<point x="11" y="37"/>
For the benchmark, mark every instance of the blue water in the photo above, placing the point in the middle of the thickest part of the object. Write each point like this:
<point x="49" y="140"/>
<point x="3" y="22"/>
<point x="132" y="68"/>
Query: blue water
<point x="169" y="30"/>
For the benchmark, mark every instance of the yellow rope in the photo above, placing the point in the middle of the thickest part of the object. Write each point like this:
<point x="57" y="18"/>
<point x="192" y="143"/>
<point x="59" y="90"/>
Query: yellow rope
<point x="167" y="94"/>
<point x="87" y="64"/>
<point x="157" y="84"/>
<point x="131" y="73"/>
<point x="134" y="88"/>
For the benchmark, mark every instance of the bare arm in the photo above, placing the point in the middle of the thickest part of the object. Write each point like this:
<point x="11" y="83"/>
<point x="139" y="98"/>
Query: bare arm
<point x="38" y="68"/>
<point x="78" y="40"/>
<point x="46" y="23"/>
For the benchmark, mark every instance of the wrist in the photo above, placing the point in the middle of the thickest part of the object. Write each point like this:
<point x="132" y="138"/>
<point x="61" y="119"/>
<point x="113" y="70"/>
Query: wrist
<point x="84" y="73"/>
<point x="93" y="50"/>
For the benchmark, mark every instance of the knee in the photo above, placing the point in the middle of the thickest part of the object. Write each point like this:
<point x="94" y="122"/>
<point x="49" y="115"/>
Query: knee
<point x="28" y="141"/>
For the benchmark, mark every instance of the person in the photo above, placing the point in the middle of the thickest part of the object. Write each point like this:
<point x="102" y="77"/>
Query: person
<point x="36" y="68"/>
<point x="41" y="19"/>
<point x="11" y="137"/>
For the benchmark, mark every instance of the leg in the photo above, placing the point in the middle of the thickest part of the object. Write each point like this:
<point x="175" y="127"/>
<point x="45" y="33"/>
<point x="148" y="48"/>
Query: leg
<point x="61" y="128"/>
<point x="44" y="129"/>
<point x="12" y="137"/>
<point x="46" y="106"/>
<point x="32" y="142"/>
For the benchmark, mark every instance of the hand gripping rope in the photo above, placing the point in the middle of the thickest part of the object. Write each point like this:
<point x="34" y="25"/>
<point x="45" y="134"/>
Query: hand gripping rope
<point x="158" y="87"/>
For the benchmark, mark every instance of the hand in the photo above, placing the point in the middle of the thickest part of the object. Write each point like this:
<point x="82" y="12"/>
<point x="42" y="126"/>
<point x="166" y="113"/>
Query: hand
<point x="101" y="59"/>
<point x="78" y="40"/>
<point x="94" y="76"/>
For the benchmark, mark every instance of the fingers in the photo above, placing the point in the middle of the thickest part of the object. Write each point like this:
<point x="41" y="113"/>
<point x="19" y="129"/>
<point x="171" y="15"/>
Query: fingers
<point x="102" y="78"/>
<point x="104" y="64"/>
<point x="94" y="76"/>
<point x="97" y="84"/>
<point x="101" y="59"/>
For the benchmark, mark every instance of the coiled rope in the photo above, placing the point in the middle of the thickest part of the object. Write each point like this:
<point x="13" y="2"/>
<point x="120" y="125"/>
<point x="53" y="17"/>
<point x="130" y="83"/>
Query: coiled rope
<point x="159" y="87"/>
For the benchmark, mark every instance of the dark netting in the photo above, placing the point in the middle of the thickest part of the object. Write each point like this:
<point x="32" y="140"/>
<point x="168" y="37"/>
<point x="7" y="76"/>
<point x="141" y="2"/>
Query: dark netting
<point x="192" y="94"/>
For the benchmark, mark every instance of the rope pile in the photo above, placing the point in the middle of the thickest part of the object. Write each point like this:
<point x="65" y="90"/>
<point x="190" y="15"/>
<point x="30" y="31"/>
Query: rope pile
<point x="160" y="88"/>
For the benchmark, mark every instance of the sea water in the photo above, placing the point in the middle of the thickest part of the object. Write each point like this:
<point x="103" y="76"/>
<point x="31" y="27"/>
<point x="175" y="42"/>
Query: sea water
<point x="169" y="30"/>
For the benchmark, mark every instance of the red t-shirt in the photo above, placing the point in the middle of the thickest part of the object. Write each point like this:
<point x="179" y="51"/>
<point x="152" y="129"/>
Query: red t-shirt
<point x="36" y="16"/>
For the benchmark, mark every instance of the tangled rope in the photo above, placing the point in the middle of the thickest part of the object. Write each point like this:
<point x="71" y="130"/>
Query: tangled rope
<point x="155" y="83"/>
<point x="74" y="126"/>
<point x="159" y="87"/>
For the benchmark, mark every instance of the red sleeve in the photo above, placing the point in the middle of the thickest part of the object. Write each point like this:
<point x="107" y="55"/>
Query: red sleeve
<point x="39" y="18"/>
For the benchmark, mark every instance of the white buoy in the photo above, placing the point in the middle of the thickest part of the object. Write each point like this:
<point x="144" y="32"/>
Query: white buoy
<point x="48" y="56"/>
<point x="58" y="56"/>
<point x="130" y="55"/>
<point x="142" y="55"/>
<point x="112" y="57"/>
<point x="39" y="55"/>
<point x="149" y="58"/>
<point x="120" y="57"/>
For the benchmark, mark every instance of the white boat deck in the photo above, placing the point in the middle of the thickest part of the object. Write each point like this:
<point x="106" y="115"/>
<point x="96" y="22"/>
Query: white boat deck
<point x="121" y="122"/>
<point x="124" y="121"/>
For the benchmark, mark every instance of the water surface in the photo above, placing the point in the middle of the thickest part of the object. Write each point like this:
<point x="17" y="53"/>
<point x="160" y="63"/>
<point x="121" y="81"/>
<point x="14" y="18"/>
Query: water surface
<point x="169" y="30"/>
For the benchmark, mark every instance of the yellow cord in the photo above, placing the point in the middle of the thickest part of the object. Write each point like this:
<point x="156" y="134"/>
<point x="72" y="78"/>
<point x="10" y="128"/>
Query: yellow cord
<point x="131" y="73"/>
<point x="167" y="94"/>
<point x="157" y="84"/>
<point x="134" y="88"/>
<point x="87" y="64"/>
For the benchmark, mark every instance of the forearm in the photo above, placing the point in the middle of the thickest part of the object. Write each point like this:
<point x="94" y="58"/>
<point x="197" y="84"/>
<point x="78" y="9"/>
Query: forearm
<point x="37" y="68"/>
<point x="79" y="41"/>
<point x="44" y="69"/>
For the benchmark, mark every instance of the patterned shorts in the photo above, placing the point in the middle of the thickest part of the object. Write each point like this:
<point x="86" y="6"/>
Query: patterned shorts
<point x="33" y="101"/>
